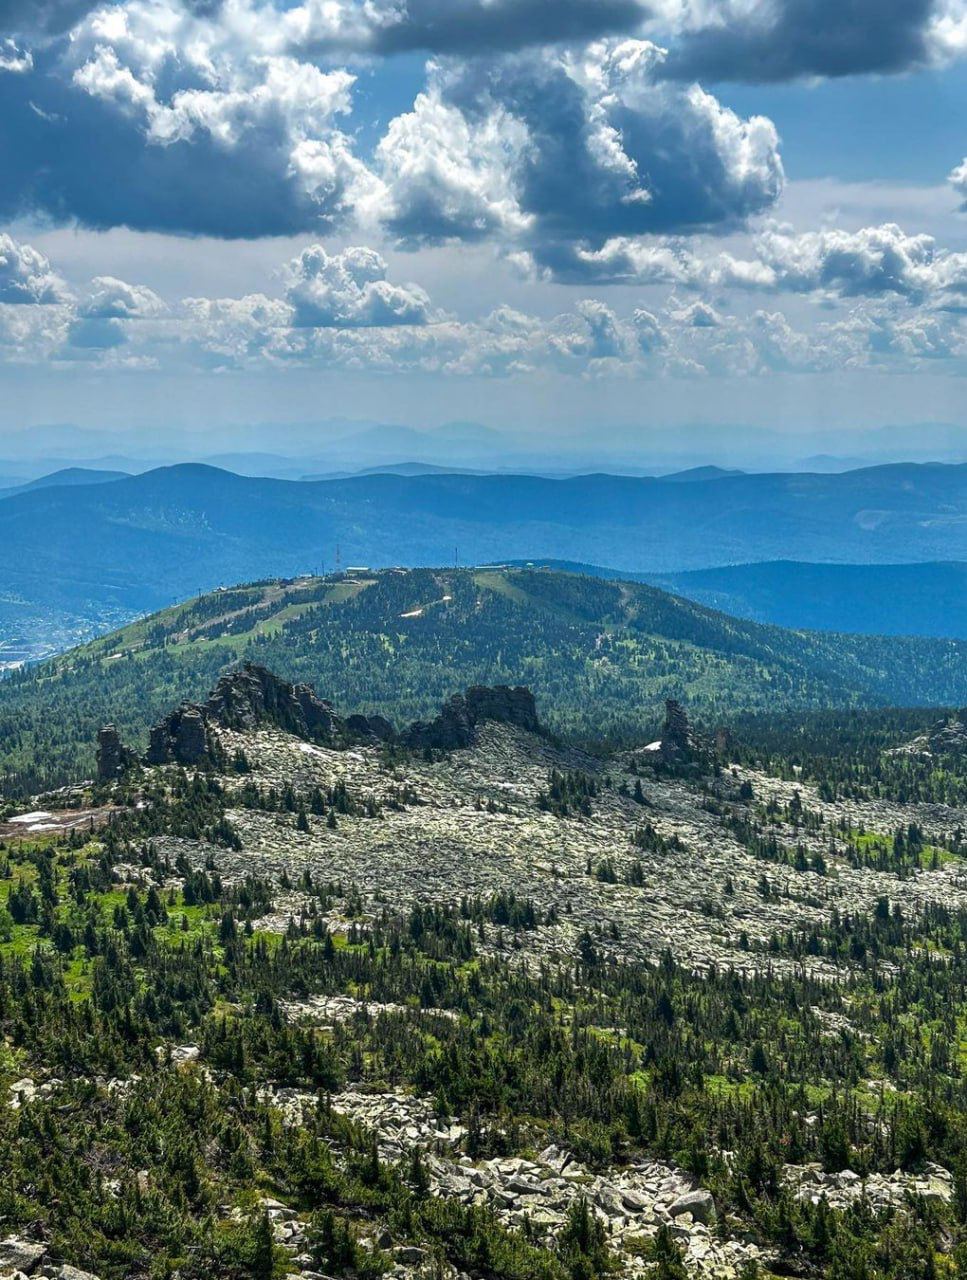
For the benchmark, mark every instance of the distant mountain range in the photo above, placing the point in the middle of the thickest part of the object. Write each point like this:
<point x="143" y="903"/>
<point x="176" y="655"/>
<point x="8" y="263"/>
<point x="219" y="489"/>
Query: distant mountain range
<point x="601" y="656"/>
<point x="330" y="446"/>
<point x="68" y="477"/>
<point x="896" y="599"/>
<point x="927" y="599"/>
<point x="139" y="542"/>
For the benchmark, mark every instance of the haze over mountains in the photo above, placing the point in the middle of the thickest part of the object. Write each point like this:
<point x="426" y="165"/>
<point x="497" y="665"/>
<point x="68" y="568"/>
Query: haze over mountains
<point x="928" y="599"/>
<point x="91" y="554"/>
<point x="295" y="450"/>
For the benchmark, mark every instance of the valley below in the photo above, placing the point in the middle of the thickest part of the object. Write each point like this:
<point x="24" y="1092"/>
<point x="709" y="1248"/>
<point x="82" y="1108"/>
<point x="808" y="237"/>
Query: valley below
<point x="464" y="997"/>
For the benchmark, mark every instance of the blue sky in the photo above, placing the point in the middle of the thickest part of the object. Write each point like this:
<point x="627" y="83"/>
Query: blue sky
<point x="546" y="215"/>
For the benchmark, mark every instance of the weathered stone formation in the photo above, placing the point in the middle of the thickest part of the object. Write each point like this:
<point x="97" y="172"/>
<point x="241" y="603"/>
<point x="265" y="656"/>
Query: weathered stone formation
<point x="182" y="737"/>
<point x="252" y="696"/>
<point x="377" y="727"/>
<point x="114" y="759"/>
<point x="945" y="738"/>
<point x="677" y="742"/>
<point x="505" y="705"/>
<point x="679" y="746"/>
<point x="455" y="725"/>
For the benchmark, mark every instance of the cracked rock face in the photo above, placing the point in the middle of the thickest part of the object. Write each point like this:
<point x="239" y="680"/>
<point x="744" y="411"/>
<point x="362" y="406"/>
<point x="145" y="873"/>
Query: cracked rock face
<point x="181" y="738"/>
<point x="252" y="696"/>
<point x="457" y="722"/>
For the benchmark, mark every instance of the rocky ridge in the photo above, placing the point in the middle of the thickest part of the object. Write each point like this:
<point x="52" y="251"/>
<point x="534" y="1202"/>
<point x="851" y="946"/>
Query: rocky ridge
<point x="948" y="737"/>
<point x="252" y="697"/>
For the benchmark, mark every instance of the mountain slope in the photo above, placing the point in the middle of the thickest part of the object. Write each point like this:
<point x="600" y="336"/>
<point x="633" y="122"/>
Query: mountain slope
<point x="66" y="478"/>
<point x="898" y="599"/>
<point x="152" y="538"/>
<point x="886" y="600"/>
<point x="601" y="657"/>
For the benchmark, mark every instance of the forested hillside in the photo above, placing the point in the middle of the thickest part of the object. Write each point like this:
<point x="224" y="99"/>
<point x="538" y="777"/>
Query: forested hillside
<point x="144" y="541"/>
<point x="928" y="599"/>
<point x="601" y="657"/>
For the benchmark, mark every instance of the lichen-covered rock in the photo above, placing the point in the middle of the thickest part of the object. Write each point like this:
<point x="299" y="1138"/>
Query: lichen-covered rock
<point x="679" y="745"/>
<point x="253" y="697"/>
<point x="20" y="1255"/>
<point x="698" y="1203"/>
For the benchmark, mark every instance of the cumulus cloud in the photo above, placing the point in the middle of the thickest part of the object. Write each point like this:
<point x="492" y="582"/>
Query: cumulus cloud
<point x="446" y="178"/>
<point x="101" y="320"/>
<point x="565" y="151"/>
<point x="699" y="315"/>
<point x="874" y="260"/>
<point x="113" y="299"/>
<point x="350" y="290"/>
<point x="780" y="40"/>
<point x="214" y="119"/>
<point x="26" y="276"/>
<point x="340" y="310"/>
<point x="869" y="262"/>
<point x="160" y="117"/>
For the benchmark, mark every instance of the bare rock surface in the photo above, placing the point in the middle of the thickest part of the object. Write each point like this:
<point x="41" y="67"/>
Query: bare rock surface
<point x="474" y="828"/>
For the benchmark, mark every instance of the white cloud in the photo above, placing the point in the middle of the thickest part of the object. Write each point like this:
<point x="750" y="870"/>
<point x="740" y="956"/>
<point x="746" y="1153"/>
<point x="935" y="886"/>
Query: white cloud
<point x="14" y="58"/>
<point x="958" y="180"/>
<point x="113" y="299"/>
<point x="350" y="290"/>
<point x="780" y="40"/>
<point x="559" y="152"/>
<point x="447" y="178"/>
<point x="26" y="275"/>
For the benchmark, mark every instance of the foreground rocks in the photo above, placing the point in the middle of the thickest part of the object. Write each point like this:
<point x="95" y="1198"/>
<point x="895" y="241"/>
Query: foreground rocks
<point x="19" y="1257"/>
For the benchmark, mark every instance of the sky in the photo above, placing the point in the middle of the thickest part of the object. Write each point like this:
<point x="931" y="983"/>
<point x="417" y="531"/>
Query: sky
<point x="548" y="216"/>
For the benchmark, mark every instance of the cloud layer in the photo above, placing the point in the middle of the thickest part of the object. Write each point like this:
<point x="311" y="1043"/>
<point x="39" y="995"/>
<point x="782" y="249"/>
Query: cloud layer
<point x="575" y="140"/>
<point x="342" y="311"/>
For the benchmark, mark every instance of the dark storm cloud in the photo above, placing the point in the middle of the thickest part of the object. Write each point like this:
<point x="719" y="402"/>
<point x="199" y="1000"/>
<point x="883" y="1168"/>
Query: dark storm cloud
<point x="783" y="40"/>
<point x="471" y="26"/>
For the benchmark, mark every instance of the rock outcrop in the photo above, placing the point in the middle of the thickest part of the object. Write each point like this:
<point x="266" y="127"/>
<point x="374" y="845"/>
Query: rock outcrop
<point x="947" y="737"/>
<point x="252" y="696"/>
<point x="679" y="746"/>
<point x="455" y="725"/>
<point x="182" y="737"/>
<point x="114" y="759"/>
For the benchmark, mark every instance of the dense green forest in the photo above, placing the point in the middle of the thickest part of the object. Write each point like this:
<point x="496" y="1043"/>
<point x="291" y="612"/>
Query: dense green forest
<point x="136" y="1178"/>
<point x="601" y="657"/>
